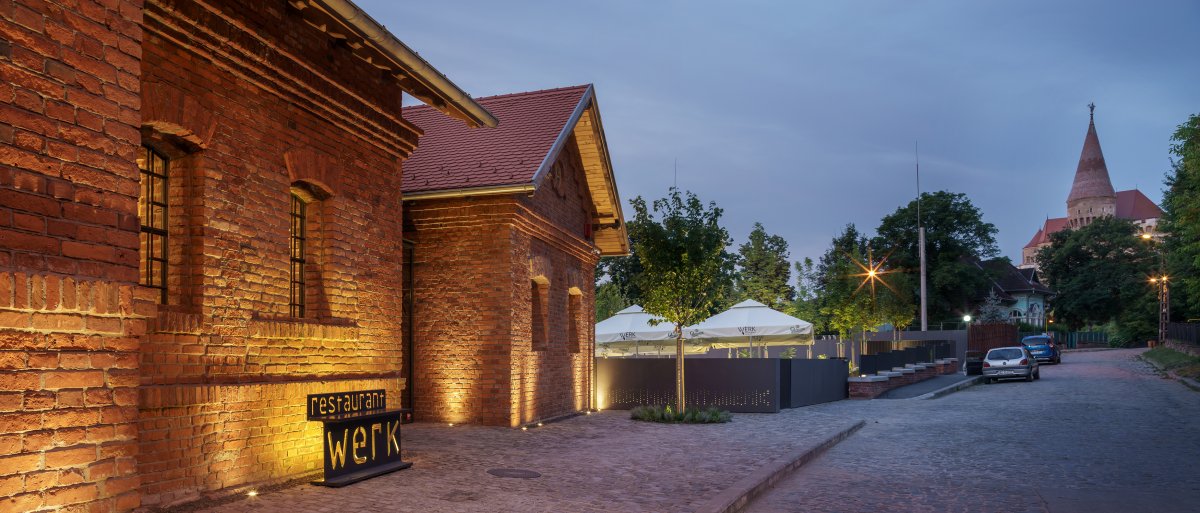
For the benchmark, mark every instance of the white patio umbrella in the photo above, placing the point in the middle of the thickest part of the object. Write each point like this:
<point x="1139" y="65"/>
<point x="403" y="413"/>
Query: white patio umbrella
<point x="629" y="332"/>
<point x="752" y="322"/>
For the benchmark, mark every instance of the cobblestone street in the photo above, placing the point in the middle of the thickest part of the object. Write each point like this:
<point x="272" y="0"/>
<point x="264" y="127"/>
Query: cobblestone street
<point x="594" y="463"/>
<point x="1099" y="433"/>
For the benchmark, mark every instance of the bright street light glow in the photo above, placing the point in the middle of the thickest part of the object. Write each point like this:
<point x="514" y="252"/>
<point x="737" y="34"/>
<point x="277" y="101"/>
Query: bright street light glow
<point x="966" y="318"/>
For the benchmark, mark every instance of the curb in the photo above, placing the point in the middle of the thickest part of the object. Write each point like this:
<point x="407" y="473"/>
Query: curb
<point x="1187" y="382"/>
<point x="735" y="498"/>
<point x="951" y="389"/>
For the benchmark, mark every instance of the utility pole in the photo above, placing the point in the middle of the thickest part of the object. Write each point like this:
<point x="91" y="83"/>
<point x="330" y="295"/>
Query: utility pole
<point x="921" y="238"/>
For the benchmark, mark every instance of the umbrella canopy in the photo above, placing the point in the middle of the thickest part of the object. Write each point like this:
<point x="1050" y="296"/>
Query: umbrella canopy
<point x="629" y="332"/>
<point x="633" y="324"/>
<point x="751" y="320"/>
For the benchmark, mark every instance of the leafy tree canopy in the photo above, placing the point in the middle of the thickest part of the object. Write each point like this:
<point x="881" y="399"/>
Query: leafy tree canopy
<point x="1099" y="271"/>
<point x="686" y="268"/>
<point x="845" y="307"/>
<point x="1181" y="219"/>
<point x="765" y="271"/>
<point x="955" y="236"/>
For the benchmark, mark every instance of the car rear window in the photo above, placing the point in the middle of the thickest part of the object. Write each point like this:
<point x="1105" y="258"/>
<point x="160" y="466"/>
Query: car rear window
<point x="1037" y="341"/>
<point x="1009" y="353"/>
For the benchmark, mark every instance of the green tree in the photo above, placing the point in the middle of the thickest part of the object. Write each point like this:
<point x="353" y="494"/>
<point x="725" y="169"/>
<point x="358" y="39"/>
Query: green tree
<point x="685" y="264"/>
<point x="609" y="301"/>
<point x="1181" y="219"/>
<point x="955" y="236"/>
<point x="623" y="272"/>
<point x="1100" y="271"/>
<point x="805" y="305"/>
<point x="895" y="303"/>
<point x="765" y="271"/>
<point x="847" y="308"/>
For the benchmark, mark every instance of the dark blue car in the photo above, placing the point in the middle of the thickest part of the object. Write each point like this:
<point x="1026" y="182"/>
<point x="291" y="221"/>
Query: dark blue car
<point x="1043" y="348"/>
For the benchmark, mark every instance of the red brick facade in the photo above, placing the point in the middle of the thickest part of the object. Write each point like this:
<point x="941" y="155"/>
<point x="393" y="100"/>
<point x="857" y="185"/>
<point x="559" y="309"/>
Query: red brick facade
<point x="115" y="395"/>
<point x="485" y="351"/>
<point x="70" y="311"/>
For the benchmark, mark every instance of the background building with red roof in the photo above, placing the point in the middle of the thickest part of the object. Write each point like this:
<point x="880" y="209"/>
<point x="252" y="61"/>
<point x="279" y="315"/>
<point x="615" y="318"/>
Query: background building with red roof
<point x="503" y="230"/>
<point x="1091" y="197"/>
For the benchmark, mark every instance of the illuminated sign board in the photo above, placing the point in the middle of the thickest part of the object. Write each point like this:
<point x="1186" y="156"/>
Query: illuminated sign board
<point x="361" y="438"/>
<point x="362" y="401"/>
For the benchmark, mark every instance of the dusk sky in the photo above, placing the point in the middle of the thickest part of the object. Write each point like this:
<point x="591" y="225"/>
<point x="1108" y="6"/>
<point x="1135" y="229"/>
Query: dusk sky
<point x="803" y="116"/>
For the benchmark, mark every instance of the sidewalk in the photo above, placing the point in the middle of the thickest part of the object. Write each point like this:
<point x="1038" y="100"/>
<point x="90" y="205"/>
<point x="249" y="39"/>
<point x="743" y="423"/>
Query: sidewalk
<point x="601" y="462"/>
<point x="933" y="384"/>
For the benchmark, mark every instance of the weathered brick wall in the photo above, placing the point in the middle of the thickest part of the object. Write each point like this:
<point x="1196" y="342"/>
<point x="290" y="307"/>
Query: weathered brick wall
<point x="70" y="312"/>
<point x="475" y="265"/>
<point x="251" y="99"/>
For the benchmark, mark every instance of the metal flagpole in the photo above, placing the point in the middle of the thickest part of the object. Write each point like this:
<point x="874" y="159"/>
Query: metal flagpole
<point x="921" y="238"/>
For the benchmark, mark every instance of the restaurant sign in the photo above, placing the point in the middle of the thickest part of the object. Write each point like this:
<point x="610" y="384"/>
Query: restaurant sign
<point x="361" y="436"/>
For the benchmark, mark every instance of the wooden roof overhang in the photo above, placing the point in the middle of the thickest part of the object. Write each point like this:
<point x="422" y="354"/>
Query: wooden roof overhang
<point x="371" y="42"/>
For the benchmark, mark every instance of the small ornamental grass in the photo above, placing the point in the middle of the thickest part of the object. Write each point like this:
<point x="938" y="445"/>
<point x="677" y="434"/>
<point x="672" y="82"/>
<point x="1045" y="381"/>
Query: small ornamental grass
<point x="667" y="414"/>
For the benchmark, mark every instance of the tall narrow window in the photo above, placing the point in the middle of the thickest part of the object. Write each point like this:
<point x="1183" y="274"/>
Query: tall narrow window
<point x="574" y="319"/>
<point x="152" y="214"/>
<point x="296" y="301"/>
<point x="539" y="291"/>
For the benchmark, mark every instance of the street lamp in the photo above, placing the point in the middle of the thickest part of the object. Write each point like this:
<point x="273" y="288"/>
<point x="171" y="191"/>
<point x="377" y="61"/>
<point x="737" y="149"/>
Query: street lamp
<point x="966" y="318"/>
<point x="1162" y="288"/>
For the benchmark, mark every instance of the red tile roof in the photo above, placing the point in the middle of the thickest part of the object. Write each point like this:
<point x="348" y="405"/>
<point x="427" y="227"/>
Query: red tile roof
<point x="1136" y="206"/>
<point x="1052" y="225"/>
<point x="452" y="156"/>
<point x="1131" y="204"/>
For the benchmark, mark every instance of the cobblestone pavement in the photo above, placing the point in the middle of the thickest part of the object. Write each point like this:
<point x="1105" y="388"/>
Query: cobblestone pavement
<point x="603" y="462"/>
<point x="1100" y="433"/>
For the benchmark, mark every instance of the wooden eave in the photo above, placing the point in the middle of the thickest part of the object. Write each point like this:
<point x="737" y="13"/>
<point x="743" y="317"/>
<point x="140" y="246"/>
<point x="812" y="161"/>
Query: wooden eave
<point x="422" y="84"/>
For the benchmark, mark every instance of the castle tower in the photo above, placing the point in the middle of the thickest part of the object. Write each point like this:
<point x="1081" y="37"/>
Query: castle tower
<point x="1092" y="193"/>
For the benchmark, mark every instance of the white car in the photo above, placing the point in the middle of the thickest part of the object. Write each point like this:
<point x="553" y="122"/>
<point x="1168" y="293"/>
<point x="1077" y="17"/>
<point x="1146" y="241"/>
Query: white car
<point x="1009" y="363"/>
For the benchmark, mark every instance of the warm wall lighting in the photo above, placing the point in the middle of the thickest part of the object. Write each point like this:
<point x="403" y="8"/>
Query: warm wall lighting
<point x="451" y="424"/>
<point x="252" y="493"/>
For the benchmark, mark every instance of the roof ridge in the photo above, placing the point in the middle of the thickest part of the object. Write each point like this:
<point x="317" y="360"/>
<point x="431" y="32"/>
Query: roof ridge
<point x="512" y="95"/>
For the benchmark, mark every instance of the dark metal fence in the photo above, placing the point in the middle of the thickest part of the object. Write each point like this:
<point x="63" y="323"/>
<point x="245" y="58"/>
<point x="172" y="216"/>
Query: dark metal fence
<point x="805" y="382"/>
<point x="1185" y="332"/>
<point x="748" y="385"/>
<point x="906" y="352"/>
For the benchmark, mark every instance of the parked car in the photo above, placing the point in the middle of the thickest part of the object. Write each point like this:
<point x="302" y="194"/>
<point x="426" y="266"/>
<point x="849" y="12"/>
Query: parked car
<point x="1043" y="348"/>
<point x="1008" y="363"/>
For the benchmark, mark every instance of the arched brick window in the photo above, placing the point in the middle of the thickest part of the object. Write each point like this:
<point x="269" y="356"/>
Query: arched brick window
<point x="539" y="291"/>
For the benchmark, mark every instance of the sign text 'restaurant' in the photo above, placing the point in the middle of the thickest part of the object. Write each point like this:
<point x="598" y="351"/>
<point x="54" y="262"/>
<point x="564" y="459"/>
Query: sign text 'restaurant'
<point x="360" y="401"/>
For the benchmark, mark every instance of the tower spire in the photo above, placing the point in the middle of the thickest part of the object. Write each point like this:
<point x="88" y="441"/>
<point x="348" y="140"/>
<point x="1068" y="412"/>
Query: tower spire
<point x="1092" y="192"/>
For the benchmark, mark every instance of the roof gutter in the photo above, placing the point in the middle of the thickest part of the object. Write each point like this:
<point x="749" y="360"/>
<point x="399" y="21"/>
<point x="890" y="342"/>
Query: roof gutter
<point x="470" y="191"/>
<point x="421" y="68"/>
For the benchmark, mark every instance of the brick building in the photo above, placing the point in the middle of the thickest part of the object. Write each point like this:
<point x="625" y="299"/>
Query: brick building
<point x="1091" y="197"/>
<point x="536" y="196"/>
<point x="201" y="223"/>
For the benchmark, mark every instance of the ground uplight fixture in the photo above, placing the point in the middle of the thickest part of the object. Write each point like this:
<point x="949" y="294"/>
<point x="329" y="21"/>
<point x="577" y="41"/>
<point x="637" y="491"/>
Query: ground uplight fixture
<point x="252" y="493"/>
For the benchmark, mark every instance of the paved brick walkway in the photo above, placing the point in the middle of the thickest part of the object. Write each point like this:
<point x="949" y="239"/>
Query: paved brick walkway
<point x="1100" y="433"/>
<point x="602" y="462"/>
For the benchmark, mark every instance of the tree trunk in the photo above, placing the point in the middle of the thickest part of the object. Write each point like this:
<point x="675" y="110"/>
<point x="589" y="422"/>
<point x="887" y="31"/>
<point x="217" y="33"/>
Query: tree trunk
<point x="679" y="369"/>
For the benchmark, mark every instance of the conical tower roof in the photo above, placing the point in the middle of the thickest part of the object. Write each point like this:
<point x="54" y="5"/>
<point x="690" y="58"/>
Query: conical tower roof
<point x="1091" y="176"/>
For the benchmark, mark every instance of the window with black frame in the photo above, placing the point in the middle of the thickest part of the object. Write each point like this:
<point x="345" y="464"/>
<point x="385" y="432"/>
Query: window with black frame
<point x="296" y="301"/>
<point x="152" y="214"/>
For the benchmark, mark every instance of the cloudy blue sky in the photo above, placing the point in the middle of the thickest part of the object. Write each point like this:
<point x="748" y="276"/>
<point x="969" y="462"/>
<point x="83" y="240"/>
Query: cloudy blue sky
<point x="803" y="115"/>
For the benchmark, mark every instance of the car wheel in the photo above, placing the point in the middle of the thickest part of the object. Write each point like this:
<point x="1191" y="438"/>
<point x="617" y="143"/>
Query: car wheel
<point x="1029" y="378"/>
<point x="1038" y="374"/>
<point x="1058" y="360"/>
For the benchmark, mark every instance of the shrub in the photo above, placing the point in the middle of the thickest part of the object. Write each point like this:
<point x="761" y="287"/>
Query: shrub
<point x="692" y="415"/>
